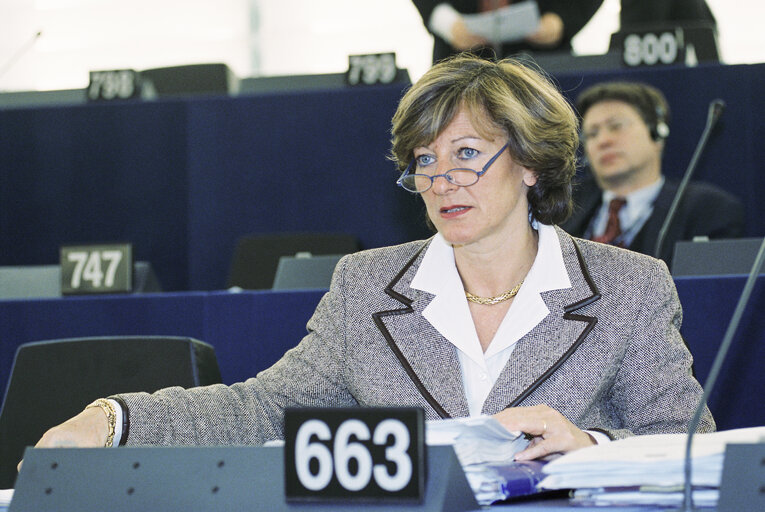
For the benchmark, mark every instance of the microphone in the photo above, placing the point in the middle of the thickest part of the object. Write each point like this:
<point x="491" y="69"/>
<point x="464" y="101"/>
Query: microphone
<point x="716" y="108"/>
<point x="19" y="53"/>
<point x="722" y="352"/>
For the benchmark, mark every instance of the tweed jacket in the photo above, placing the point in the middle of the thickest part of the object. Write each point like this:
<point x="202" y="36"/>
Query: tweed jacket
<point x="608" y="356"/>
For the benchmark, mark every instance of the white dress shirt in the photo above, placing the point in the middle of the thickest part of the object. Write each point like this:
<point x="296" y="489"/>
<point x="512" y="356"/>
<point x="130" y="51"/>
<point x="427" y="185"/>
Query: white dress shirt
<point x="449" y="313"/>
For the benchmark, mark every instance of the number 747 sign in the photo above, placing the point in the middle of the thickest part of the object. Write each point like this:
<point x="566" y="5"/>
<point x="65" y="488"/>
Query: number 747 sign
<point x="96" y="269"/>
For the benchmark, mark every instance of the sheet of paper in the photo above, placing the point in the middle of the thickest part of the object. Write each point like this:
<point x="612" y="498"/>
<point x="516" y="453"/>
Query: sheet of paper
<point x="5" y="498"/>
<point x="477" y="439"/>
<point x="646" y="460"/>
<point x="506" y="24"/>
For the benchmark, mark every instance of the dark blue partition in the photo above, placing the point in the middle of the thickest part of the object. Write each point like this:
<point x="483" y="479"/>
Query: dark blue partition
<point x="289" y="163"/>
<point x="95" y="173"/>
<point x="182" y="179"/>
<point x="251" y="330"/>
<point x="708" y="304"/>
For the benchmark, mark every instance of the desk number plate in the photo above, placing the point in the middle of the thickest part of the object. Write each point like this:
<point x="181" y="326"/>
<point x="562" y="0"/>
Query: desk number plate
<point x="354" y="454"/>
<point x="96" y="269"/>
<point x="375" y="68"/>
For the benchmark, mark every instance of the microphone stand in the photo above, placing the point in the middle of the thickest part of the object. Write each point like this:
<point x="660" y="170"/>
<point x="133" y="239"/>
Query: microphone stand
<point x="716" y="108"/>
<point x="722" y="352"/>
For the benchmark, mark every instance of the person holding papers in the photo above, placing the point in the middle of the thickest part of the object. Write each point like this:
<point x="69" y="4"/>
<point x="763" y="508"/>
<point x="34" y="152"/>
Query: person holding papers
<point x="557" y="23"/>
<point x="499" y="313"/>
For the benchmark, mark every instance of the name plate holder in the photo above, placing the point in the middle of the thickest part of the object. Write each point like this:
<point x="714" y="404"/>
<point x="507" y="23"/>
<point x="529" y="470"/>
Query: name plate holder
<point x="199" y="479"/>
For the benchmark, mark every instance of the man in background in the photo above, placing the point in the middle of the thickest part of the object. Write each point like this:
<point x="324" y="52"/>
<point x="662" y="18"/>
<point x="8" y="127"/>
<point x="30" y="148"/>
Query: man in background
<point x="625" y="198"/>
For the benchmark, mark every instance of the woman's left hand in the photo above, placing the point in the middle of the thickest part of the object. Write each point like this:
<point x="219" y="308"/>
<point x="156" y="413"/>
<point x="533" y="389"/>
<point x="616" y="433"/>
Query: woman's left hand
<point x="552" y="432"/>
<point x="549" y="32"/>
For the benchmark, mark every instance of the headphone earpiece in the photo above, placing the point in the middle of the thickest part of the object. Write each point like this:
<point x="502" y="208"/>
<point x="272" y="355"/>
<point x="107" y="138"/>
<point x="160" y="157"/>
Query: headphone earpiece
<point x="660" y="131"/>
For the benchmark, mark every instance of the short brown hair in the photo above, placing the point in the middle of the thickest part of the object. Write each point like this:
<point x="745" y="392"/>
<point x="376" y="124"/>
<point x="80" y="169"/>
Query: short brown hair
<point x="541" y="127"/>
<point x="648" y="101"/>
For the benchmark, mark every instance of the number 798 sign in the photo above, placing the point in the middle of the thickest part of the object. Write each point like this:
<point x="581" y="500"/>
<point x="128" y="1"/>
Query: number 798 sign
<point x="354" y="454"/>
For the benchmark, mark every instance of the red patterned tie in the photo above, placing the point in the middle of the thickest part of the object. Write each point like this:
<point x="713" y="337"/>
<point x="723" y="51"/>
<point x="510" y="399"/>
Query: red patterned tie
<point x="613" y="228"/>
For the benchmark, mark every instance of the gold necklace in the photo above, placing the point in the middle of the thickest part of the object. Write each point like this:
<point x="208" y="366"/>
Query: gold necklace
<point x="490" y="301"/>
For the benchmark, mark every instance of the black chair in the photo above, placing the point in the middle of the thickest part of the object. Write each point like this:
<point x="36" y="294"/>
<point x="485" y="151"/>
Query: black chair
<point x="51" y="381"/>
<point x="256" y="257"/>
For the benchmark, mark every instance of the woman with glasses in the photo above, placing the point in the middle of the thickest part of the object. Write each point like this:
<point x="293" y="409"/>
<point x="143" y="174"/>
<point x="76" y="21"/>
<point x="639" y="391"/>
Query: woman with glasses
<point x="499" y="313"/>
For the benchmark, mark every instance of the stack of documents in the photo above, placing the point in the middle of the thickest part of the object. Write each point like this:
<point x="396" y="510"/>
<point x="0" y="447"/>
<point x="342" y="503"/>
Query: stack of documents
<point x="5" y="499"/>
<point x="486" y="451"/>
<point x="646" y="469"/>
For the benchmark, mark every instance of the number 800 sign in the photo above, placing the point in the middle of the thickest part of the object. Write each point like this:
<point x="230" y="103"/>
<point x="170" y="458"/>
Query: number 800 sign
<point x="354" y="453"/>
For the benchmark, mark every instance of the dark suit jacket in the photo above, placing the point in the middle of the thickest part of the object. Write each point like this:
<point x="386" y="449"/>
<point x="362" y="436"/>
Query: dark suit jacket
<point x="641" y="12"/>
<point x="608" y="356"/>
<point x="574" y="13"/>
<point x="704" y="211"/>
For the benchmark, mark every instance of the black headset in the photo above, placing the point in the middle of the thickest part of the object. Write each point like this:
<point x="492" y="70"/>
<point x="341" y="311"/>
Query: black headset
<point x="660" y="129"/>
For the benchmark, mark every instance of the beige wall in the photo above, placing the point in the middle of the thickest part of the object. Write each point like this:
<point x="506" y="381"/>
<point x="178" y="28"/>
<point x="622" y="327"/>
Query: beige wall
<point x="294" y="36"/>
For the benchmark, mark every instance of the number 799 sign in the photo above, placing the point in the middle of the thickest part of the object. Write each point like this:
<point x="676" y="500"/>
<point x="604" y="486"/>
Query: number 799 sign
<point x="354" y="454"/>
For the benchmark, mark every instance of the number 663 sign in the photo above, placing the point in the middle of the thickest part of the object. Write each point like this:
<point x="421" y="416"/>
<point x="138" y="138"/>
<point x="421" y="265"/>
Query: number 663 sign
<point x="354" y="454"/>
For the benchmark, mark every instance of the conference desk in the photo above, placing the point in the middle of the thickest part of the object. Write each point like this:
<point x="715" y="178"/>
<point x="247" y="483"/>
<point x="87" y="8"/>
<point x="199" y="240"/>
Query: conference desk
<point x="251" y="330"/>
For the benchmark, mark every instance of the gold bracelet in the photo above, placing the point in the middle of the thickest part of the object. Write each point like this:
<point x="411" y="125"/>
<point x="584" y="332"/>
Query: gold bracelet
<point x="111" y="417"/>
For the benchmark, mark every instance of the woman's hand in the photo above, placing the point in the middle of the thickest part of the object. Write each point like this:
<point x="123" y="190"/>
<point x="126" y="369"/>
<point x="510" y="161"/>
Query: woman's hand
<point x="552" y="432"/>
<point x="550" y="31"/>
<point x="463" y="39"/>
<point x="86" y="430"/>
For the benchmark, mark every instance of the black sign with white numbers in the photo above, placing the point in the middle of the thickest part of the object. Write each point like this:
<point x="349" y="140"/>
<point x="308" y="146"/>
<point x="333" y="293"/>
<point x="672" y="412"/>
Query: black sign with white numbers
<point x="375" y="68"/>
<point x="117" y="84"/>
<point x="654" y="47"/>
<point x="103" y="268"/>
<point x="352" y="454"/>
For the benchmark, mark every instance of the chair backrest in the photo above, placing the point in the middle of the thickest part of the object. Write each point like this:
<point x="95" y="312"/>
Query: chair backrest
<point x="296" y="272"/>
<point x="256" y="257"/>
<point x="51" y="381"/>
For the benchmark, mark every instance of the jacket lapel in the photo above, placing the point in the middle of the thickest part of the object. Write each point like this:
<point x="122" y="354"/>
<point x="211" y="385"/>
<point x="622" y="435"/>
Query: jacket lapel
<point x="645" y="239"/>
<point x="546" y="347"/>
<point x="428" y="358"/>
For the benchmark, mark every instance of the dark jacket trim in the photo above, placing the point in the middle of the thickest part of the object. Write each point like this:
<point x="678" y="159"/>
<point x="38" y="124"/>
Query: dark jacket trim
<point x="392" y="344"/>
<point x="568" y="315"/>
<point x="604" y="432"/>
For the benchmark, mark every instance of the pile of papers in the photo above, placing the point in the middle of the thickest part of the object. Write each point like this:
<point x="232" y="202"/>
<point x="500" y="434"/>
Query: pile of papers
<point x="486" y="451"/>
<point x="646" y="469"/>
<point x="5" y="499"/>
